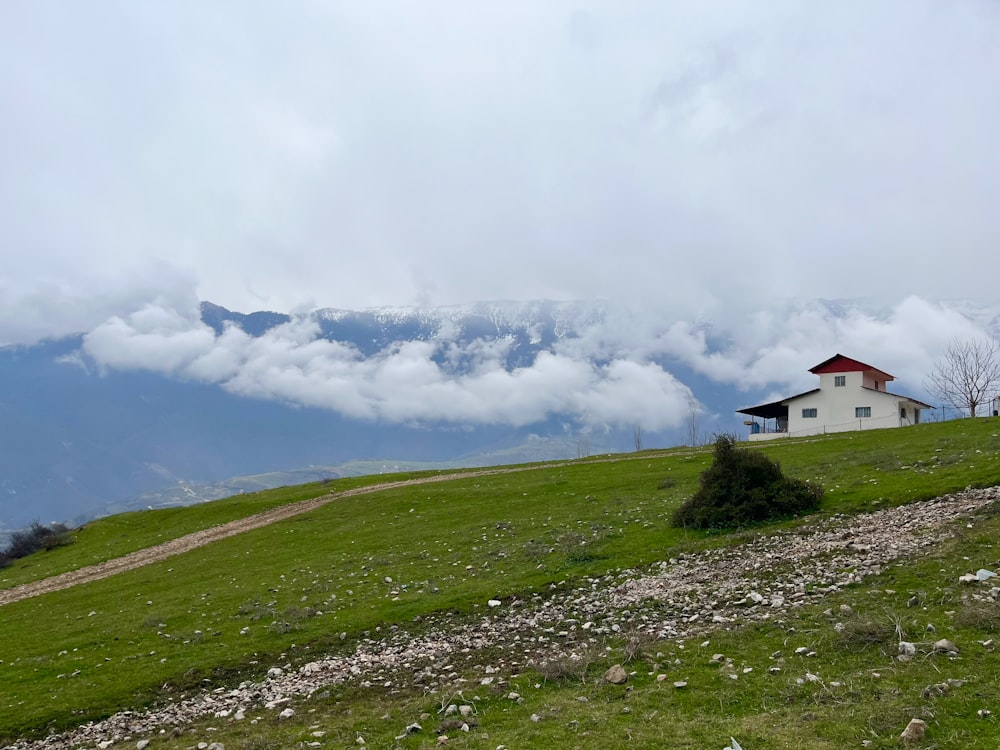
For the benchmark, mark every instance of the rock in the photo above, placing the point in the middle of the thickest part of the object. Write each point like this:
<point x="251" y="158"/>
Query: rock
<point x="968" y="578"/>
<point x="493" y="603"/>
<point x="466" y="711"/>
<point x="984" y="575"/>
<point x="413" y="728"/>
<point x="616" y="675"/>
<point x="141" y="745"/>
<point x="944" y="646"/>
<point x="680" y="684"/>
<point x="914" y="731"/>
<point x="935" y="691"/>
<point x="287" y="713"/>
<point x="906" y="650"/>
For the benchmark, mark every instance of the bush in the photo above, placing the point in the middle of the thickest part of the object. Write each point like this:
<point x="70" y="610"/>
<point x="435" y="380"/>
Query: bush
<point x="743" y="487"/>
<point x="33" y="539"/>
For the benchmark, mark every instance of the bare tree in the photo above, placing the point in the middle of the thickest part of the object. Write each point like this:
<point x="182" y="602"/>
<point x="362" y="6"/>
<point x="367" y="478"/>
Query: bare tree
<point x="968" y="375"/>
<point x="694" y="424"/>
<point x="637" y="436"/>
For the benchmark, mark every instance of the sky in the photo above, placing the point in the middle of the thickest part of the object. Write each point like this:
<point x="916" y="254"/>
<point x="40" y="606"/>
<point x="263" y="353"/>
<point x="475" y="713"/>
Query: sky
<point x="731" y="164"/>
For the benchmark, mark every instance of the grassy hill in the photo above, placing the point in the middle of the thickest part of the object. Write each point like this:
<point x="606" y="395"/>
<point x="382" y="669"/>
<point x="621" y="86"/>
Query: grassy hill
<point x="428" y="559"/>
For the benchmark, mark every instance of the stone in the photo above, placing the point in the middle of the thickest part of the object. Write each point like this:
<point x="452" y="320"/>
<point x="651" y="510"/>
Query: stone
<point x="616" y="675"/>
<point x="914" y="731"/>
<point x="944" y="646"/>
<point x="287" y="713"/>
<point x="141" y="745"/>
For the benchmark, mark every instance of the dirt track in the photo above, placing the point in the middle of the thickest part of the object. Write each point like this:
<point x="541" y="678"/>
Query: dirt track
<point x="206" y="536"/>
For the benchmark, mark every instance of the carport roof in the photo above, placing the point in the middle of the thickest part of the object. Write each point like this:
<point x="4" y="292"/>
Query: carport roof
<point x="774" y="409"/>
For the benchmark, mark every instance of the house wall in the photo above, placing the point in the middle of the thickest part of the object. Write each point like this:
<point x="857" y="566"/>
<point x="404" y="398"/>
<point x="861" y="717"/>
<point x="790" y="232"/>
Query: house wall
<point x="835" y="406"/>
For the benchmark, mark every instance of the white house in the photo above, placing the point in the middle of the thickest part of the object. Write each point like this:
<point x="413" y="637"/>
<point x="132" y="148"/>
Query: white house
<point x="851" y="396"/>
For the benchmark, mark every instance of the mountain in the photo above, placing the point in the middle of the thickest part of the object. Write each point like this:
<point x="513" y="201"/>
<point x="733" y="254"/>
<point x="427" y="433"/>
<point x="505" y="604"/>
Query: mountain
<point x="80" y="440"/>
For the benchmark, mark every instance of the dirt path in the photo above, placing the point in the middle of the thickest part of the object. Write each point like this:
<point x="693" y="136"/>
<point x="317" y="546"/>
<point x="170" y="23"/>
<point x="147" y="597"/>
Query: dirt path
<point x="197" y="539"/>
<point x="201" y="538"/>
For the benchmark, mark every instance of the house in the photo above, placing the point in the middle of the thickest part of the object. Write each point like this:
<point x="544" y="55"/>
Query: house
<point x="851" y="396"/>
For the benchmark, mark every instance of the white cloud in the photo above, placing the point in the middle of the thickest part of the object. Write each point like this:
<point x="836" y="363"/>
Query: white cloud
<point x="618" y="373"/>
<point x="693" y="159"/>
<point x="401" y="384"/>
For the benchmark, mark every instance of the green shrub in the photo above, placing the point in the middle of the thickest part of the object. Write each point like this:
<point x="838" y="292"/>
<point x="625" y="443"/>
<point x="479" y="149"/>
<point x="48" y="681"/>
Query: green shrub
<point x="743" y="487"/>
<point x="34" y="539"/>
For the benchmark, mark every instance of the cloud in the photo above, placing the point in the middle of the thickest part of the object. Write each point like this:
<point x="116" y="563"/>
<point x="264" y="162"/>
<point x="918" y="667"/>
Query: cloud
<point x="403" y="383"/>
<point x="693" y="159"/>
<point x="618" y="371"/>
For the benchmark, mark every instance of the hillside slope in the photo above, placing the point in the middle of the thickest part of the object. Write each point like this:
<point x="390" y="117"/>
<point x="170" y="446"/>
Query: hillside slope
<point x="533" y="583"/>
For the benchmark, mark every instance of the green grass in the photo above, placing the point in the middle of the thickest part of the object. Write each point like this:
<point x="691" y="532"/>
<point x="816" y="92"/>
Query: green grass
<point x="448" y="547"/>
<point x="108" y="538"/>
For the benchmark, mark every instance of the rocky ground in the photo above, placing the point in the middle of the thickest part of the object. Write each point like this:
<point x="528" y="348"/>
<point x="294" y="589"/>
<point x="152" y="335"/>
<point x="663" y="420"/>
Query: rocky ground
<point x="682" y="597"/>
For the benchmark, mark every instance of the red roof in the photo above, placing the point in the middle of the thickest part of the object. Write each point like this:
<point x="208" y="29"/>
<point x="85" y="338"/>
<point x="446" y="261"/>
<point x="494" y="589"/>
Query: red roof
<point x="840" y="363"/>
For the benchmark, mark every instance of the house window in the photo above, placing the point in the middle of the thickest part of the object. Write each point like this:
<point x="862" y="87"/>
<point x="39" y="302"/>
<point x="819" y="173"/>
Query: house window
<point x="809" y="414"/>
<point x="861" y="412"/>
<point x="839" y="380"/>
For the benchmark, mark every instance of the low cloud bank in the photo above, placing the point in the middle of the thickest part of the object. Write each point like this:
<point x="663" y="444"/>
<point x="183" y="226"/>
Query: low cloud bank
<point x="616" y="372"/>
<point x="402" y="383"/>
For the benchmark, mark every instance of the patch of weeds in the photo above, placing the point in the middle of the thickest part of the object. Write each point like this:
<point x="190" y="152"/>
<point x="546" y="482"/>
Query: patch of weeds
<point x="564" y="667"/>
<point x="570" y="542"/>
<point x="290" y="619"/>
<point x="254" y="611"/>
<point x="638" y="645"/>
<point x="261" y="743"/>
<point x="153" y="621"/>
<point x="863" y="631"/>
<point x="979" y="614"/>
<point x="535" y="549"/>
<point x="667" y="484"/>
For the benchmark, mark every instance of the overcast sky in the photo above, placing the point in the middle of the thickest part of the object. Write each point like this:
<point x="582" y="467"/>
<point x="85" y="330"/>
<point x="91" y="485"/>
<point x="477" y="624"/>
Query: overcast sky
<point x="694" y="161"/>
